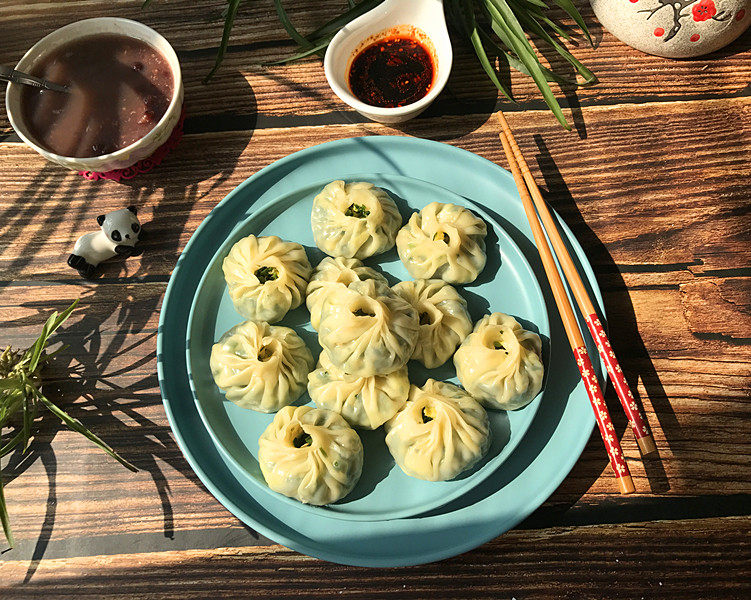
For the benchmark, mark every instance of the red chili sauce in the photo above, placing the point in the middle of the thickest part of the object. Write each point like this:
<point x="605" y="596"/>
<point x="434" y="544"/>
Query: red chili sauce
<point x="394" y="71"/>
<point x="120" y="88"/>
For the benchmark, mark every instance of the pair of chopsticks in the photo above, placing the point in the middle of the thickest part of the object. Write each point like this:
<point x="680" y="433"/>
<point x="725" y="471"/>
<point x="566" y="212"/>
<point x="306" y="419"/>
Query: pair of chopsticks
<point x="526" y="184"/>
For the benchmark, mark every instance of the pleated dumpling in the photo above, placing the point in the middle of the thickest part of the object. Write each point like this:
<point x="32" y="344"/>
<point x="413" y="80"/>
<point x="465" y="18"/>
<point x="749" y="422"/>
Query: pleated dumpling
<point x="441" y="432"/>
<point x="367" y="329"/>
<point x="354" y="220"/>
<point x="499" y="363"/>
<point x="266" y="277"/>
<point x="260" y="366"/>
<point x="443" y="317"/>
<point x="310" y="454"/>
<point x="332" y="274"/>
<point x="366" y="402"/>
<point x="443" y="241"/>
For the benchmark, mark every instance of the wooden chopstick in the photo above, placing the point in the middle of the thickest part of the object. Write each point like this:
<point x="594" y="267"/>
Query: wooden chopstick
<point x="602" y="416"/>
<point x="637" y="421"/>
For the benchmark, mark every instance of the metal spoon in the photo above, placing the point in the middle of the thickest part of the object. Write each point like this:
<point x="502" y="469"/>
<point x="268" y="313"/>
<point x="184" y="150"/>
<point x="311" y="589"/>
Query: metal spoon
<point x="9" y="74"/>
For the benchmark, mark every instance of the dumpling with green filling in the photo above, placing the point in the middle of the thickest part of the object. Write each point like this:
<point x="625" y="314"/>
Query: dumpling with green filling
<point x="367" y="329"/>
<point x="310" y="454"/>
<point x="443" y="317"/>
<point x="266" y="277"/>
<point x="333" y="274"/>
<point x="499" y="363"/>
<point x="260" y="366"/>
<point x="354" y="220"/>
<point x="441" y="432"/>
<point x="365" y="402"/>
<point x="443" y="241"/>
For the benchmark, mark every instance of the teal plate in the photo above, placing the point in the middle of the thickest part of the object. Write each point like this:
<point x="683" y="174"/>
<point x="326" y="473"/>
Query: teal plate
<point x="507" y="284"/>
<point x="550" y="448"/>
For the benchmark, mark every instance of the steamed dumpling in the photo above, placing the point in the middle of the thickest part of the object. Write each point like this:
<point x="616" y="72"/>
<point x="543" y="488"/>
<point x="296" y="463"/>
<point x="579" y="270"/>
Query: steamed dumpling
<point x="443" y="317"/>
<point x="260" y="366"/>
<point x="266" y="277"/>
<point x="499" y="363"/>
<point x="443" y="241"/>
<point x="441" y="432"/>
<point x="366" y="402"/>
<point x="332" y="274"/>
<point x="354" y="220"/>
<point x="310" y="454"/>
<point x="367" y="329"/>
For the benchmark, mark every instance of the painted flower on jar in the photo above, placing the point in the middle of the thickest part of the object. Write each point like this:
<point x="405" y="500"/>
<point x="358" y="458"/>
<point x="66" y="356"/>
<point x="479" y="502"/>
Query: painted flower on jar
<point x="704" y="10"/>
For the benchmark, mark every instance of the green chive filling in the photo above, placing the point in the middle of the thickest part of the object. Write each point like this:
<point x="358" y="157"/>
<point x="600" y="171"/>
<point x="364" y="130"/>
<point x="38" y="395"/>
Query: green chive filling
<point x="302" y="440"/>
<point x="357" y="210"/>
<point x="265" y="274"/>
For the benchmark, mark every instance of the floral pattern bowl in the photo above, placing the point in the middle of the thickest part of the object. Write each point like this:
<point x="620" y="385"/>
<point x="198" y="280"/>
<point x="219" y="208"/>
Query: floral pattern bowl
<point x="677" y="28"/>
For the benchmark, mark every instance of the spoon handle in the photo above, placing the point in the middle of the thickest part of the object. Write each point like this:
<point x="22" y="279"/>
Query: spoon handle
<point x="9" y="74"/>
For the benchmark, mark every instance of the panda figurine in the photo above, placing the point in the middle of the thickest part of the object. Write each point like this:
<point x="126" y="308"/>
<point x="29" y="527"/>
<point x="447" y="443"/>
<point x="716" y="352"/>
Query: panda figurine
<point x="118" y="236"/>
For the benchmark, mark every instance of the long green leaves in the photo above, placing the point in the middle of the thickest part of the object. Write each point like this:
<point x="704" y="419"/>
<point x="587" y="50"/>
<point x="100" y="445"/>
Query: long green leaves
<point x="4" y="518"/>
<point x="501" y="26"/>
<point x="20" y="396"/>
<point x="229" y="22"/>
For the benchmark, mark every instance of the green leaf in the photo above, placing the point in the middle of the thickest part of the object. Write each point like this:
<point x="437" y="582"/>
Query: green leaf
<point x="538" y="29"/>
<point x="330" y="28"/>
<point x="515" y="63"/>
<point x="504" y="17"/>
<point x="78" y="427"/>
<point x="470" y="25"/>
<point x="27" y="421"/>
<point x="298" y="56"/>
<point x="228" y="24"/>
<point x="572" y="11"/>
<point x="12" y="443"/>
<point x="9" y="383"/>
<point x="145" y="4"/>
<point x="301" y="40"/>
<point x="50" y="326"/>
<point x="4" y="518"/>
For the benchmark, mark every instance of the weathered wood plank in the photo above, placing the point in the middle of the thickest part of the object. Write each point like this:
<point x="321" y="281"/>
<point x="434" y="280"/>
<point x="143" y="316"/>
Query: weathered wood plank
<point x="671" y="192"/>
<point x="695" y="391"/>
<point x="243" y="89"/>
<point x="650" y="560"/>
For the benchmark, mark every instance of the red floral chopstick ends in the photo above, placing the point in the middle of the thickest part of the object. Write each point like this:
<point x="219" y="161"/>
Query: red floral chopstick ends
<point x="636" y="420"/>
<point x="607" y="431"/>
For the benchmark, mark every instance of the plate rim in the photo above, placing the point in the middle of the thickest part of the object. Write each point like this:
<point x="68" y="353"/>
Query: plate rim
<point x="270" y="207"/>
<point x="302" y="545"/>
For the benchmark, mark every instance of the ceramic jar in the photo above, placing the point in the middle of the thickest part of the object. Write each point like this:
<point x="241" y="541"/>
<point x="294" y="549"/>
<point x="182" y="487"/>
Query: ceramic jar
<point x="678" y="29"/>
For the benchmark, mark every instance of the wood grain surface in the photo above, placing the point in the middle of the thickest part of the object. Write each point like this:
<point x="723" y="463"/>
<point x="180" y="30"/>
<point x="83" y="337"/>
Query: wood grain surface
<point x="654" y="182"/>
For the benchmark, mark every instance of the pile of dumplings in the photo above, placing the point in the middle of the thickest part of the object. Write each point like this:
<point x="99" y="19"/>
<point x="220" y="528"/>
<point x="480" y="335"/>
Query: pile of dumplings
<point x="369" y="331"/>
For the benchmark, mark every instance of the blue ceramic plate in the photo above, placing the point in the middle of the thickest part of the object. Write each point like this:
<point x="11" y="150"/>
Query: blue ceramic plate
<point x="507" y="284"/>
<point x="553" y="442"/>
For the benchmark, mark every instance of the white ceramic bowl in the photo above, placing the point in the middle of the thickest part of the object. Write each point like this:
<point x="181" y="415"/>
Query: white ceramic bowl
<point x="423" y="18"/>
<point x="129" y="155"/>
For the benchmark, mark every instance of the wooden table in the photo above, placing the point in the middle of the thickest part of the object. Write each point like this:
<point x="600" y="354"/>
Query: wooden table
<point x="654" y="182"/>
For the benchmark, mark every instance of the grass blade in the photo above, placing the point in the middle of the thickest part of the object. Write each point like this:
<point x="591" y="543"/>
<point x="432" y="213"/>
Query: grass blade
<point x="539" y="30"/>
<point x="503" y="16"/>
<point x="574" y="13"/>
<point x="228" y="24"/>
<point x="11" y="443"/>
<point x="330" y="28"/>
<point x="299" y="55"/>
<point x="470" y="24"/>
<point x="515" y="63"/>
<point x="4" y="518"/>
<point x="78" y="427"/>
<point x="299" y="39"/>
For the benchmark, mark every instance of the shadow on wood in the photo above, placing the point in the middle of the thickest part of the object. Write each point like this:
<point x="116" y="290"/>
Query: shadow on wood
<point x="636" y="362"/>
